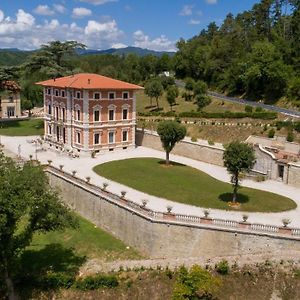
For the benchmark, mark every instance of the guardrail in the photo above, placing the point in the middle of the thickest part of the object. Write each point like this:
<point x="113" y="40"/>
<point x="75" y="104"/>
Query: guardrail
<point x="173" y="218"/>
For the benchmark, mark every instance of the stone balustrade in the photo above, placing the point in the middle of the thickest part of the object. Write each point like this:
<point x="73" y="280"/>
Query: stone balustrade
<point x="170" y="217"/>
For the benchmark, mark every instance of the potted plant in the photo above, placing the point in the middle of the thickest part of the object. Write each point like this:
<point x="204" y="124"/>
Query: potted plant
<point x="286" y="222"/>
<point x="123" y="194"/>
<point x="144" y="203"/>
<point x="88" y="179"/>
<point x="49" y="162"/>
<point x="104" y="186"/>
<point x="245" y="218"/>
<point x="74" y="173"/>
<point x="206" y="213"/>
<point x="61" y="167"/>
<point x="169" y="209"/>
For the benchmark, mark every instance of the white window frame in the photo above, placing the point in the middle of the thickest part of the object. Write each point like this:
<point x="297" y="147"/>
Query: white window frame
<point x="63" y="93"/>
<point x="127" y="95"/>
<point x="99" y="133"/>
<point x="111" y="107"/>
<point x="76" y="109"/>
<point x="125" y="108"/>
<point x="56" y="93"/>
<point x="127" y="133"/>
<point x="97" y="108"/>
<point x="114" y="137"/>
<point x="108" y="95"/>
<point x="48" y="91"/>
<point x="98" y="94"/>
<point x="78" y="93"/>
<point x="78" y="134"/>
<point x="49" y="130"/>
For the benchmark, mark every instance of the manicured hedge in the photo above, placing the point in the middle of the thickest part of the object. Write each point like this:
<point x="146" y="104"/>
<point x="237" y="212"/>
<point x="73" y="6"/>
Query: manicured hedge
<point x="264" y="115"/>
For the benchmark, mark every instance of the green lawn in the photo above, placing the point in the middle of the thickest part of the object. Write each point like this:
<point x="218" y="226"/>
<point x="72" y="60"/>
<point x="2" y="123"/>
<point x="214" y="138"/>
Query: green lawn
<point x="87" y="240"/>
<point x="188" y="185"/>
<point x="22" y="127"/>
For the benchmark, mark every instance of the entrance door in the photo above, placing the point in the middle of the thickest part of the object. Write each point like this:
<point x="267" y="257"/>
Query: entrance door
<point x="57" y="133"/>
<point x="10" y="111"/>
<point x="280" y="171"/>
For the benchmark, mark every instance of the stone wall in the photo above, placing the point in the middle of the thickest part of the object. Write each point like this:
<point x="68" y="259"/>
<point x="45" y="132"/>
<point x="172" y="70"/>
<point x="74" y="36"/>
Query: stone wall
<point x="198" y="151"/>
<point x="293" y="175"/>
<point x="163" y="238"/>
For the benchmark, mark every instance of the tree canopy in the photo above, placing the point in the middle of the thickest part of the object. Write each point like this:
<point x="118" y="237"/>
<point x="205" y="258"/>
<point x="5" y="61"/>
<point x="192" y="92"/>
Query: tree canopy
<point x="170" y="133"/>
<point x="27" y="205"/>
<point x="238" y="157"/>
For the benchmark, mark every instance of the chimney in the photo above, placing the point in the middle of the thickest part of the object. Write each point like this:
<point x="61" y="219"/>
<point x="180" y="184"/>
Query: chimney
<point x="89" y="81"/>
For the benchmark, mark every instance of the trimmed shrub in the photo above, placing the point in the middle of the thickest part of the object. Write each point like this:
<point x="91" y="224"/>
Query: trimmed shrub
<point x="96" y="282"/>
<point x="271" y="133"/>
<point x="290" y="136"/>
<point x="248" y="109"/>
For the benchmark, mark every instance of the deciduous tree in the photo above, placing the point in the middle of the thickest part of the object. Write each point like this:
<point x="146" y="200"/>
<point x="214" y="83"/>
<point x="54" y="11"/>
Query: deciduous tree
<point x="27" y="205"/>
<point x="238" y="157"/>
<point x="170" y="133"/>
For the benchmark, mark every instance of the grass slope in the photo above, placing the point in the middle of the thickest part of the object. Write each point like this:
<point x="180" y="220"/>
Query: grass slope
<point x="22" y="127"/>
<point x="188" y="185"/>
<point x="87" y="240"/>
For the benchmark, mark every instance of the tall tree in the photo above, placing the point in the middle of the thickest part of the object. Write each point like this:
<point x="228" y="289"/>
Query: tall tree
<point x="170" y="133"/>
<point x="154" y="89"/>
<point x="238" y="157"/>
<point x="27" y="205"/>
<point x="172" y="94"/>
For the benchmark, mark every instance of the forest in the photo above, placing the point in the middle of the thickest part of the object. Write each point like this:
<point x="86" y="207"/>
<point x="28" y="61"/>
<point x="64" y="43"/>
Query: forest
<point x="255" y="54"/>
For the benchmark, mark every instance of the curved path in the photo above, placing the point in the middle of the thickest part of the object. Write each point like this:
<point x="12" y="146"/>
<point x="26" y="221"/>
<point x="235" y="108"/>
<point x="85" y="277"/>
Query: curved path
<point x="84" y="166"/>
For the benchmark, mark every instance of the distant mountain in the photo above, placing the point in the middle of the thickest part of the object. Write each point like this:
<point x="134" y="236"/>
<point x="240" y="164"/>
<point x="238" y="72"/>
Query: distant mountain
<point x="14" y="56"/>
<point x="124" y="51"/>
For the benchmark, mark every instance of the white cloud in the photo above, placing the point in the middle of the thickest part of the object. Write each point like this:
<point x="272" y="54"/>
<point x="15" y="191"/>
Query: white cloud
<point x="23" y="32"/>
<point x="43" y="10"/>
<point x="194" y="22"/>
<point x="98" y="2"/>
<point x="118" y="46"/>
<point x="187" y="10"/>
<point x="59" y="8"/>
<point x="1" y="15"/>
<point x="211" y="1"/>
<point x="81" y="12"/>
<point x="161" y="43"/>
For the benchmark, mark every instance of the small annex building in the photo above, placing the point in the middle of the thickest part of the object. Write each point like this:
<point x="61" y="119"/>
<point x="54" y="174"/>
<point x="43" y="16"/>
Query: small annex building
<point x="10" y="101"/>
<point x="89" y="112"/>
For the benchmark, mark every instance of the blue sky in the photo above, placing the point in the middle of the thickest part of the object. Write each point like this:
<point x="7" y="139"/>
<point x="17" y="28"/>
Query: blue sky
<point x="102" y="24"/>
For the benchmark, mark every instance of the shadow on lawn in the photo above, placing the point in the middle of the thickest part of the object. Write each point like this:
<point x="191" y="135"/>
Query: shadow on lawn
<point x="227" y="197"/>
<point x="172" y="163"/>
<point x="39" y="269"/>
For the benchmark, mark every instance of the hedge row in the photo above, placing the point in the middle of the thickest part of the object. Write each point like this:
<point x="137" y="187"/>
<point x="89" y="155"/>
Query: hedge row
<point x="62" y="280"/>
<point x="264" y="115"/>
<point x="289" y="125"/>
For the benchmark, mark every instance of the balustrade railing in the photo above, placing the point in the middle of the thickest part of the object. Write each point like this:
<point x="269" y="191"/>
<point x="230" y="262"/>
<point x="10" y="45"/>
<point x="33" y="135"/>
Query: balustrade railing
<point x="188" y="219"/>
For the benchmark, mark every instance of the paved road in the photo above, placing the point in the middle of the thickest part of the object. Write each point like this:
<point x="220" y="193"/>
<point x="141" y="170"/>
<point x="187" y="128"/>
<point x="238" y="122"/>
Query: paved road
<point x="288" y="112"/>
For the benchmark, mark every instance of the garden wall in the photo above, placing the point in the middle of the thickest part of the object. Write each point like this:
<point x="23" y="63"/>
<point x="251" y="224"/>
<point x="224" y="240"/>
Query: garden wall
<point x="158" y="235"/>
<point x="195" y="150"/>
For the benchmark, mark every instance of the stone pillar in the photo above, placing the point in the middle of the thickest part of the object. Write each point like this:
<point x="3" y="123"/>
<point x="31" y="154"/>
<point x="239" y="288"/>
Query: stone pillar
<point x="133" y="118"/>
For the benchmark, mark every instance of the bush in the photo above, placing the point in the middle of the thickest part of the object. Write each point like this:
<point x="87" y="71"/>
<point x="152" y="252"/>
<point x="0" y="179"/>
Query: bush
<point x="290" y="136"/>
<point x="260" y="178"/>
<point x="271" y="133"/>
<point x="222" y="267"/>
<point x="96" y="282"/>
<point x="54" y="280"/>
<point x="258" y="109"/>
<point x="194" y="139"/>
<point x="248" y="109"/>
<point x="195" y="284"/>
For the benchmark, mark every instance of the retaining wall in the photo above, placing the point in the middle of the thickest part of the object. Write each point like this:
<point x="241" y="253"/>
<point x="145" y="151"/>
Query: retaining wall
<point x="160" y="235"/>
<point x="199" y="151"/>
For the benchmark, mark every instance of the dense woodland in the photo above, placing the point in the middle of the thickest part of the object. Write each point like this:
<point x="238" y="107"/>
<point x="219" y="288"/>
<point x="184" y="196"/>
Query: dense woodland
<point x="255" y="54"/>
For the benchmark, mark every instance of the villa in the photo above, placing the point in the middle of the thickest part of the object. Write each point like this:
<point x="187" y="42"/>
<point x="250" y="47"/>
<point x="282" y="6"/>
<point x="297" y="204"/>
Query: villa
<point x="89" y="112"/>
<point x="10" y="103"/>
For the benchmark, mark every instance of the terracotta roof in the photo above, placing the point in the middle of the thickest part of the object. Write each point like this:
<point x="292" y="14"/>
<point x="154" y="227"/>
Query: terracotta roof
<point x="89" y="81"/>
